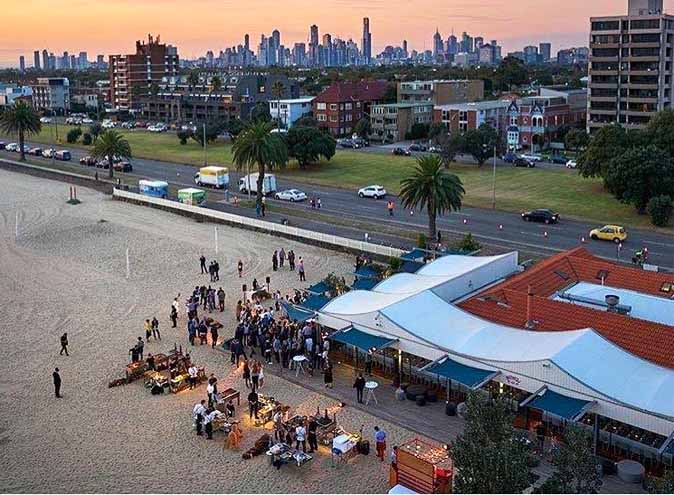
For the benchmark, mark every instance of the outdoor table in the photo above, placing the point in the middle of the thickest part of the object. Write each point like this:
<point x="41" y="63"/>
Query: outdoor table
<point x="371" y="387"/>
<point x="299" y="364"/>
<point x="230" y="394"/>
<point x="630" y="471"/>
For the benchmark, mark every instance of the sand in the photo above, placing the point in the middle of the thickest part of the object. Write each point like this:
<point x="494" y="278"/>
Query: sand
<point x="66" y="271"/>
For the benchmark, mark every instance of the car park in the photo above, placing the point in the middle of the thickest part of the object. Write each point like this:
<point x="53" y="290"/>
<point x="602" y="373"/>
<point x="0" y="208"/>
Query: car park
<point x="571" y="164"/>
<point x="614" y="233"/>
<point x="523" y="162"/>
<point x="89" y="161"/>
<point x="292" y="195"/>
<point x="541" y="215"/>
<point x="401" y="152"/>
<point x="374" y="191"/>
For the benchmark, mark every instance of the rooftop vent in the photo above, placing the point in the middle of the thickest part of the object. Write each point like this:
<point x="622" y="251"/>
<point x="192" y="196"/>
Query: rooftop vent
<point x="612" y="302"/>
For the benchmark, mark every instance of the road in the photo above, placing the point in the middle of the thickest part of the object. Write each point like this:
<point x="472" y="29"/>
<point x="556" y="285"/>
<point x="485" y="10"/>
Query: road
<point x="493" y="227"/>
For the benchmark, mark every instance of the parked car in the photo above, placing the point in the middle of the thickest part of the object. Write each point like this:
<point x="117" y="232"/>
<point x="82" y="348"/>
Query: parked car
<point x="559" y="159"/>
<point x="45" y="120"/>
<point x="523" y="162"/>
<point x="48" y="153"/>
<point x="122" y="166"/>
<point x="376" y="192"/>
<point x="63" y="155"/>
<point x="531" y="158"/>
<point x="89" y="161"/>
<point x="614" y="233"/>
<point x="359" y="142"/>
<point x="401" y="152"/>
<point x="416" y="147"/>
<point x="12" y="147"/>
<point x="291" y="195"/>
<point x="540" y="215"/>
<point x="87" y="121"/>
<point x="346" y="143"/>
<point x="509" y="157"/>
<point x="2" y="145"/>
<point x="434" y="149"/>
<point x="571" y="164"/>
<point x="74" y="121"/>
<point x="35" y="151"/>
<point x="107" y="124"/>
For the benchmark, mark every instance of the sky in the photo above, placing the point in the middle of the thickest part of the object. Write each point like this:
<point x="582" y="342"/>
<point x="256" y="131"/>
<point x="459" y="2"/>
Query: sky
<point x="195" y="26"/>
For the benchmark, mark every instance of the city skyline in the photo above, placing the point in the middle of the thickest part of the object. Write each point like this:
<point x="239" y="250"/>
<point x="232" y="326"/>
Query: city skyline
<point x="219" y="30"/>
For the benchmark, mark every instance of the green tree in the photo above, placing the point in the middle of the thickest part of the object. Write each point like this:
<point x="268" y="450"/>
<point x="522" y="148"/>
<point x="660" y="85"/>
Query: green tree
<point x="639" y="174"/>
<point x="660" y="131"/>
<point x="576" y="139"/>
<point x="607" y="143"/>
<point x="468" y="244"/>
<point x="257" y="145"/>
<point x="436" y="129"/>
<point x="20" y="118"/>
<point x="659" y="208"/>
<point x="488" y="456"/>
<point x="183" y="136"/>
<point x="212" y="132"/>
<point x="511" y="72"/>
<point x="308" y="144"/>
<point x="479" y="143"/>
<point x="449" y="145"/>
<point x="235" y="126"/>
<point x="260" y="112"/>
<point x="87" y="139"/>
<point x="363" y="128"/>
<point x="111" y="144"/>
<point x="662" y="485"/>
<point x="417" y="131"/>
<point x="277" y="89"/>
<point x="73" y="135"/>
<point x="95" y="130"/>
<point x="577" y="469"/>
<point x="432" y="188"/>
<point x="306" y="121"/>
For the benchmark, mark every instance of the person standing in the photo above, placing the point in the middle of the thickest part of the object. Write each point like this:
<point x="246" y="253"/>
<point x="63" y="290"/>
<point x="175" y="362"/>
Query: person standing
<point x="390" y="206"/>
<point x="281" y="257"/>
<point x="198" y="415"/>
<point x="300" y="438"/>
<point x="208" y="422"/>
<point x="246" y="374"/>
<point x="139" y="348"/>
<point x="312" y="434"/>
<point x="240" y="268"/>
<point x="359" y="385"/>
<point x="300" y="270"/>
<point x="216" y="269"/>
<point x="380" y="442"/>
<point x="57" y="383"/>
<point x="291" y="260"/>
<point x="327" y="376"/>
<point x="174" y="317"/>
<point x="263" y="206"/>
<point x="252" y="404"/>
<point x="221" y="299"/>
<point x="64" y="344"/>
<point x="274" y="261"/>
<point x="214" y="336"/>
<point x="318" y="203"/>
<point x="155" y="328"/>
<point x="148" y="330"/>
<point x="202" y="263"/>
<point x="193" y="371"/>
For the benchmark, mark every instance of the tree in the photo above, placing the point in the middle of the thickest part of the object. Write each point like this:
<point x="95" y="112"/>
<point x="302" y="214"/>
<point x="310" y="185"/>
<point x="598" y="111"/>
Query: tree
<point x="183" y="136"/>
<point x="576" y="139"/>
<point x="277" y="90"/>
<point x="432" y="187"/>
<point x="95" y="130"/>
<point x="607" y="143"/>
<point x="662" y="485"/>
<point x="660" y="131"/>
<point x="639" y="174"/>
<point x="511" y="72"/>
<point x="436" y="129"/>
<point x="235" y="126"/>
<point x="480" y="142"/>
<point x="73" y="135"/>
<point x="257" y="145"/>
<point x="417" y="131"/>
<point x="448" y="145"/>
<point x="363" y="128"/>
<point x="488" y="456"/>
<point x="659" y="208"/>
<point x="212" y="132"/>
<point x="111" y="144"/>
<point x="260" y="112"/>
<point x="20" y="118"/>
<point x="308" y="144"/>
<point x="87" y="139"/>
<point x="306" y="121"/>
<point x="577" y="469"/>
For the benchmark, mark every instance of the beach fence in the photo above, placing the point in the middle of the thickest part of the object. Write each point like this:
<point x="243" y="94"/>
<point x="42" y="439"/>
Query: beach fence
<point x="303" y="235"/>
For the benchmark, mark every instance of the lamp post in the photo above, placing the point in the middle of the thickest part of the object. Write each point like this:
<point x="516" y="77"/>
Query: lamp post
<point x="204" y="127"/>
<point x="493" y="183"/>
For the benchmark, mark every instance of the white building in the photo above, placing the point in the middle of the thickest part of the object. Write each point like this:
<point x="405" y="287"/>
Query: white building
<point x="10" y="92"/>
<point x="52" y="93"/>
<point x="290" y="110"/>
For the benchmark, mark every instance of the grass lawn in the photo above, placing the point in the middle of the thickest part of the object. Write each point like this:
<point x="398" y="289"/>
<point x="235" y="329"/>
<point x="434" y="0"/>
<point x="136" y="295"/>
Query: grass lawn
<point x="516" y="188"/>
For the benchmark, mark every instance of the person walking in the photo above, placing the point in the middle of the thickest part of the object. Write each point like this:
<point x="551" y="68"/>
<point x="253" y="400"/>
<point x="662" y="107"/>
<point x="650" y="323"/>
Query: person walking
<point x="390" y="206"/>
<point x="318" y="203"/>
<point x="246" y="373"/>
<point x="300" y="270"/>
<point x="198" y="415"/>
<point x="148" y="329"/>
<point x="216" y="270"/>
<point x="255" y="376"/>
<point x="240" y="268"/>
<point x="202" y="263"/>
<point x="155" y="328"/>
<point x="57" y="383"/>
<point x="274" y="261"/>
<point x="174" y="317"/>
<point x="221" y="299"/>
<point x="214" y="336"/>
<point x="64" y="344"/>
<point x="281" y="257"/>
<point x="359" y="385"/>
<point x="380" y="442"/>
<point x="327" y="376"/>
<point x="263" y="206"/>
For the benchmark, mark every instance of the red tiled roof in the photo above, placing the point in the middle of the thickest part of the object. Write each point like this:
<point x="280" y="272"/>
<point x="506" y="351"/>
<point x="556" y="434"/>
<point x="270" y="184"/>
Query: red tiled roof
<point x="364" y="90"/>
<point x="506" y="303"/>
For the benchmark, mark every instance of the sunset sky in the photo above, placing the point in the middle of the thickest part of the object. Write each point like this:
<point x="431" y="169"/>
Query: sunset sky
<point x="112" y="26"/>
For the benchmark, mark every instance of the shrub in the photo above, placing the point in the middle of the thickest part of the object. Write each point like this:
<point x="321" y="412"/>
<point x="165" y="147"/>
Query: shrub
<point x="422" y="241"/>
<point x="660" y="210"/>
<point x="183" y="136"/>
<point x="73" y="135"/>
<point x="395" y="264"/>
<point x="468" y="244"/>
<point x="87" y="139"/>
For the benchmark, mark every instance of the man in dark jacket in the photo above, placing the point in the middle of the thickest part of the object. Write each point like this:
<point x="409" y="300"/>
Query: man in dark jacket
<point x="57" y="383"/>
<point x="359" y="385"/>
<point x="64" y="344"/>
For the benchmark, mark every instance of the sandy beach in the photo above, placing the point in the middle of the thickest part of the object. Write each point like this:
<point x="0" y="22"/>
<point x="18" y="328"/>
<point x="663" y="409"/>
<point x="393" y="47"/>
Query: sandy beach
<point x="66" y="272"/>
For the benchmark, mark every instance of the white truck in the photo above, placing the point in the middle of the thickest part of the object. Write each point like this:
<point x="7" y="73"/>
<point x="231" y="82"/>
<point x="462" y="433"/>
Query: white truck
<point x="249" y="183"/>
<point x="217" y="177"/>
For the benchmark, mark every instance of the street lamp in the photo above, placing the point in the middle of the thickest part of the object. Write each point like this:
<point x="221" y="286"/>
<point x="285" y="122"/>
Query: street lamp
<point x="493" y="177"/>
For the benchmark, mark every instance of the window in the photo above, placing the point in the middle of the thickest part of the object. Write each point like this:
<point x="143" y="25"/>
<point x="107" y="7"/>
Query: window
<point x="349" y="117"/>
<point x="320" y="106"/>
<point x="333" y="106"/>
<point x="513" y="120"/>
<point x="333" y="118"/>
<point x="321" y="117"/>
<point x="348" y="106"/>
<point x="357" y="104"/>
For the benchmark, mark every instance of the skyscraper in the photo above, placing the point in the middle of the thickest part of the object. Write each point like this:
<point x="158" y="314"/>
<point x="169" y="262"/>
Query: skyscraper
<point x="313" y="44"/>
<point x="45" y="60"/>
<point x="544" y="50"/>
<point x="405" y="54"/>
<point x="83" y="61"/>
<point x="36" y="59"/>
<point x="366" y="46"/>
<point x="246" y="42"/>
<point x="22" y="63"/>
<point x="438" y="46"/>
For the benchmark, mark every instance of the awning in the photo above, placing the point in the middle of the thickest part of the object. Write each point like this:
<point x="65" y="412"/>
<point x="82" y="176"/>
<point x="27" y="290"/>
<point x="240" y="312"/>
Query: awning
<point x="560" y="405"/>
<point x="319" y="289"/>
<point x="297" y="314"/>
<point x="416" y="254"/>
<point x="466" y="375"/>
<point x="364" y="284"/>
<point x="366" y="272"/>
<point x="364" y="341"/>
<point x="314" y="303"/>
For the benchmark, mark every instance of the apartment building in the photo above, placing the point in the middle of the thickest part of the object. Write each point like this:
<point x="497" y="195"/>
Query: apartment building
<point x="52" y="94"/>
<point x="391" y="122"/>
<point x="288" y="111"/>
<point x="132" y="76"/>
<point x="631" y="69"/>
<point x="441" y="92"/>
<point x="461" y="117"/>
<point x="339" y="107"/>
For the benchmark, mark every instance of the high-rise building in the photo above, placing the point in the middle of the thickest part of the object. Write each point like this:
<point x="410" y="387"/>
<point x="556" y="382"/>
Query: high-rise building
<point x="366" y="46"/>
<point x="299" y="55"/>
<point x="631" y="71"/>
<point x="246" y="42"/>
<point x="131" y="76"/>
<point x="544" y="51"/>
<point x="531" y="55"/>
<point x="45" y="60"/>
<point x="313" y="45"/>
<point x="452" y="45"/>
<point x="65" y="61"/>
<point x="479" y="41"/>
<point x="438" y="46"/>
<point x="52" y="93"/>
<point x="83" y="61"/>
<point x="405" y="53"/>
<point x="36" y="59"/>
<point x="22" y="63"/>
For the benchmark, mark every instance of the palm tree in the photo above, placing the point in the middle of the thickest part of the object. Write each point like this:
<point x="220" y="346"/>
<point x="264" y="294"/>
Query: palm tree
<point x="111" y="144"/>
<point x="277" y="90"/>
<point x="20" y="118"/>
<point x="432" y="187"/>
<point x="257" y="145"/>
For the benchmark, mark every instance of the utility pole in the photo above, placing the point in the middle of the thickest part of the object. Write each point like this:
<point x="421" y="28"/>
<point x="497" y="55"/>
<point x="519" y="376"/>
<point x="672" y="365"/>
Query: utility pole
<point x="493" y="183"/>
<point x="205" y="163"/>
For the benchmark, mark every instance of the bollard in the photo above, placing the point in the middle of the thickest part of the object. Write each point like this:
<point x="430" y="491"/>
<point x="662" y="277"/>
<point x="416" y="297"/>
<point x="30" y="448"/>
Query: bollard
<point x="500" y="226"/>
